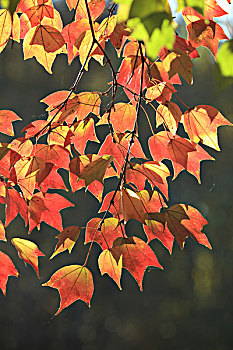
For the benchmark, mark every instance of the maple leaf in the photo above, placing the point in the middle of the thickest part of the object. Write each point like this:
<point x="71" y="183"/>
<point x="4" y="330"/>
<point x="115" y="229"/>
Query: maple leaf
<point x="15" y="31"/>
<point x="71" y="33"/>
<point x="155" y="228"/>
<point x="46" y="208"/>
<point x="194" y="222"/>
<point x="50" y="38"/>
<point x="203" y="31"/>
<point x="169" y="115"/>
<point x="6" y="119"/>
<point x="22" y="146"/>
<point x="212" y="9"/>
<point x="131" y="206"/>
<point x="2" y="232"/>
<point x="118" y="147"/>
<point x="185" y="45"/>
<point x="7" y="269"/>
<point x="66" y="240"/>
<point x="115" y="207"/>
<point x="119" y="34"/>
<point x="48" y="178"/>
<point x="104" y="236"/>
<point x="38" y="51"/>
<point x="90" y="167"/>
<point x="73" y="282"/>
<point x="179" y="150"/>
<point x="36" y="13"/>
<point x="155" y="172"/>
<point x="83" y="131"/>
<point x="25" y="25"/>
<point x="5" y="27"/>
<point x="201" y="124"/>
<point x="122" y="117"/>
<point x="177" y="61"/>
<point x="95" y="6"/>
<point x="28" y="251"/>
<point x="108" y="264"/>
<point x="136" y="256"/>
<point x="54" y="154"/>
<point x="152" y="201"/>
<point x="24" y="174"/>
<point x="161" y="92"/>
<point x="38" y="127"/>
<point x="15" y="204"/>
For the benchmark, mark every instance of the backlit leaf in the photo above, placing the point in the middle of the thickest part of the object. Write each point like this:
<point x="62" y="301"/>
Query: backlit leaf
<point x="73" y="282"/>
<point x="136" y="256"/>
<point x="108" y="264"/>
<point x="201" y="124"/>
<point x="66" y="240"/>
<point x="28" y="251"/>
<point x="7" y="268"/>
<point x="6" y="119"/>
<point x="110" y="230"/>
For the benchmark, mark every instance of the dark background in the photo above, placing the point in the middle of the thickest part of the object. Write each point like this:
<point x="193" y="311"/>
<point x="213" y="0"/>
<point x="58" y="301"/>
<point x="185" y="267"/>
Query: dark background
<point x="188" y="305"/>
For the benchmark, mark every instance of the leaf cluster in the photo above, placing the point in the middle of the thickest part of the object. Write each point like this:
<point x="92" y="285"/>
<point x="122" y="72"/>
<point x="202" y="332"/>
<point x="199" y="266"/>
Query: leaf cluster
<point x="154" y="59"/>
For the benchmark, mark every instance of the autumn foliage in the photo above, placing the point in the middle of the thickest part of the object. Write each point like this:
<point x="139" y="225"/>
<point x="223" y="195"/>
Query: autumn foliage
<point x="148" y="75"/>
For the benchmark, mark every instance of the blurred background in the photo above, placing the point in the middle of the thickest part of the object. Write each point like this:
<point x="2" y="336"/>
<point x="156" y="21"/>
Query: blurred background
<point x="187" y="306"/>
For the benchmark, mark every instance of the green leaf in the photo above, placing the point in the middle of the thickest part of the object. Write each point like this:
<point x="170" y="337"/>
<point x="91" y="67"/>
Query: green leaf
<point x="223" y="70"/>
<point x="225" y="59"/>
<point x="198" y="5"/>
<point x="142" y="10"/>
<point x="159" y="38"/>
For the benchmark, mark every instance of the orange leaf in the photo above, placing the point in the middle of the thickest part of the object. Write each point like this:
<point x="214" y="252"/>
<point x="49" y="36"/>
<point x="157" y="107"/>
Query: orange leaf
<point x="178" y="61"/>
<point x="73" y="282"/>
<point x="122" y="116"/>
<point x="88" y="169"/>
<point x="46" y="59"/>
<point x="24" y="174"/>
<point x="15" y="204"/>
<point x="206" y="33"/>
<point x="157" y="229"/>
<point x="131" y="206"/>
<point x="83" y="131"/>
<point x="105" y="237"/>
<point x="115" y="208"/>
<point x="2" y="232"/>
<point x="212" y="9"/>
<point x="5" y="27"/>
<point x="28" y="251"/>
<point x="66" y="240"/>
<point x="161" y="92"/>
<point x="152" y="201"/>
<point x="169" y="115"/>
<point x="155" y="172"/>
<point x="47" y="208"/>
<point x="95" y="6"/>
<point x="50" y="38"/>
<point x="54" y="154"/>
<point x="6" y="119"/>
<point x="15" y="35"/>
<point x="201" y="124"/>
<point x="136" y="256"/>
<point x="7" y="268"/>
<point x="73" y="31"/>
<point x="183" y="153"/>
<point x="183" y="221"/>
<point x="118" y="148"/>
<point x="108" y="264"/>
<point x="37" y="12"/>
